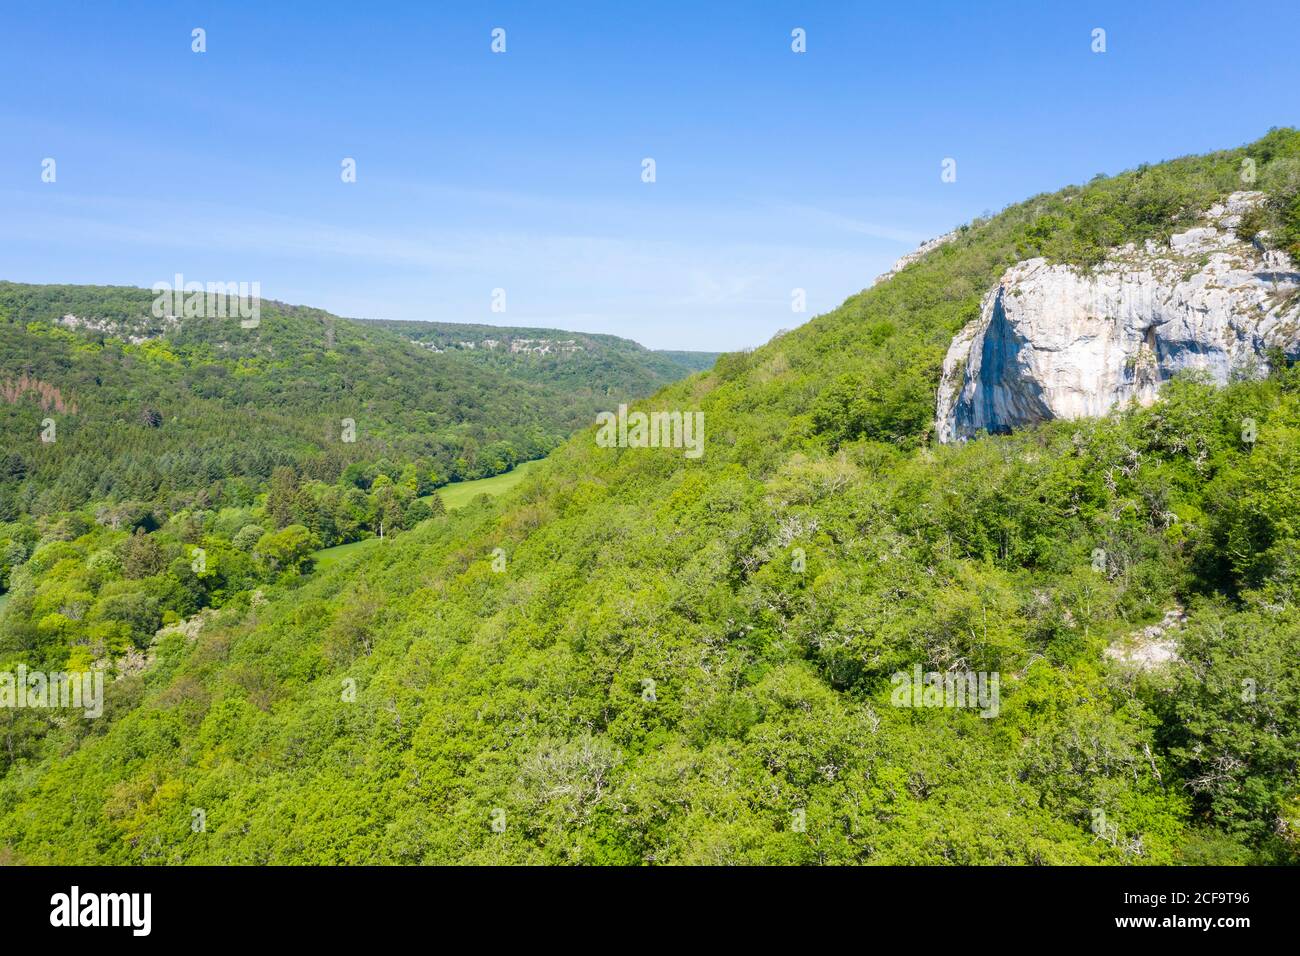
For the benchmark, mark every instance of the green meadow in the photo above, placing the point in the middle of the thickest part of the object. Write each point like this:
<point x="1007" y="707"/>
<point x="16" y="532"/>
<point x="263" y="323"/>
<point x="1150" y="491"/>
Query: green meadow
<point x="329" y="557"/>
<point x="460" y="493"/>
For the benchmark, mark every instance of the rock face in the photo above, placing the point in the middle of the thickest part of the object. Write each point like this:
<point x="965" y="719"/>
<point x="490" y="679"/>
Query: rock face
<point x="1052" y="342"/>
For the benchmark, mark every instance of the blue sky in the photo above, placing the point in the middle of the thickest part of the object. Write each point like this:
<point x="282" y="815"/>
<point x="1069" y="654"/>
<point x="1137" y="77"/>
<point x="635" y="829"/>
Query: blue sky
<point x="522" y="170"/>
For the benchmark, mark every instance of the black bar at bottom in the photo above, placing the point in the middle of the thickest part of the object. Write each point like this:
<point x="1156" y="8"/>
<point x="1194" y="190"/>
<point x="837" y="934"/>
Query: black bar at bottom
<point x="334" y="905"/>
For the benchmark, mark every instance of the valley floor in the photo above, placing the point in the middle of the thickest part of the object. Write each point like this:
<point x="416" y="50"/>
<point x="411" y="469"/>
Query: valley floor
<point x="455" y="495"/>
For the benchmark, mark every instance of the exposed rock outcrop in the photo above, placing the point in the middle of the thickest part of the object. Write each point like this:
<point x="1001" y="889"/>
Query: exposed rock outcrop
<point x="923" y="249"/>
<point x="1153" y="646"/>
<point x="135" y="331"/>
<point x="1053" y="342"/>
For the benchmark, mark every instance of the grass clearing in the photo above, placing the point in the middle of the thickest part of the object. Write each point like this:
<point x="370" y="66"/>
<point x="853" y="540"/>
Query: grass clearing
<point x="460" y="493"/>
<point x="332" y="556"/>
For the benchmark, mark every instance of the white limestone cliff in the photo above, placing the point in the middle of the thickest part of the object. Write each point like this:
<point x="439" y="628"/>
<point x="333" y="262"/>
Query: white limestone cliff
<point x="1054" y="342"/>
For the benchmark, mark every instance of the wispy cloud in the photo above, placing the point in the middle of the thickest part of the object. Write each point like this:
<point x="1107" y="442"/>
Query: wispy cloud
<point x="669" y="281"/>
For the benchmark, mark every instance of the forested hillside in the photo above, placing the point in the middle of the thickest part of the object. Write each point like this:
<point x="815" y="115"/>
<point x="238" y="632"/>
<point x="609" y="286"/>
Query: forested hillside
<point x="155" y="467"/>
<point x="202" y="410"/>
<point x="642" y="657"/>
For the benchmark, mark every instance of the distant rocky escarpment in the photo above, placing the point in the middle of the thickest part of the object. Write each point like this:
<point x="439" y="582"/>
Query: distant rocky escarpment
<point x="920" y="252"/>
<point x="1054" y="342"/>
